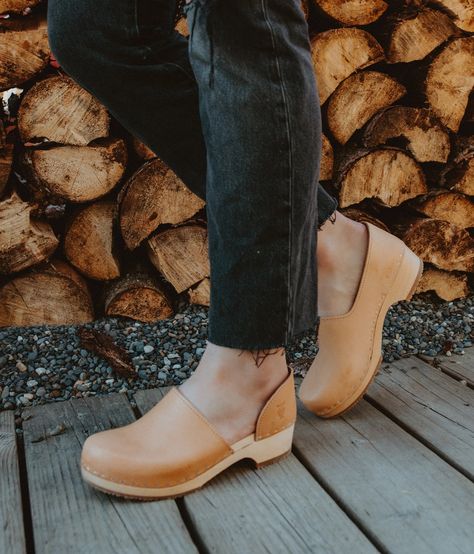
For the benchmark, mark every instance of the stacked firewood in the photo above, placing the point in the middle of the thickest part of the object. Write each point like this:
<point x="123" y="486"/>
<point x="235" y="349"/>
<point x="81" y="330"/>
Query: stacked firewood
<point x="92" y="222"/>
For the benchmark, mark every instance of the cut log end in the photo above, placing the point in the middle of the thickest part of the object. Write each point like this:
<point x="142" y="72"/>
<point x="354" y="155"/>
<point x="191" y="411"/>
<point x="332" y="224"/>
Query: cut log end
<point x="44" y="297"/>
<point x="138" y="297"/>
<point x="389" y="175"/>
<point x="357" y="99"/>
<point x="89" y="242"/>
<point x="154" y="196"/>
<point x="446" y="285"/>
<point x="181" y="255"/>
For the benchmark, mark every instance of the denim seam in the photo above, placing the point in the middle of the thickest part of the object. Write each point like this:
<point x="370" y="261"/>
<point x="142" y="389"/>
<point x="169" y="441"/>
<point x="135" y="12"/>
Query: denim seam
<point x="137" y="28"/>
<point x="290" y="166"/>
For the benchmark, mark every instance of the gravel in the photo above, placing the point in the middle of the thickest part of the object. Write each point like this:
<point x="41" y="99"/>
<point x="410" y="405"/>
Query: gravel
<point x="46" y="363"/>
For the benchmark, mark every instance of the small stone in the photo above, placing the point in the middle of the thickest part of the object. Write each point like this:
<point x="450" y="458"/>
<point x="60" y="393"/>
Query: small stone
<point x="31" y="383"/>
<point x="148" y="348"/>
<point x="21" y="366"/>
<point x="40" y="370"/>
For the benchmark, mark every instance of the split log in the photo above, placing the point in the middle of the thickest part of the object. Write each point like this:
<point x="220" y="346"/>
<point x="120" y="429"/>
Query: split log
<point x="389" y="175"/>
<point x="458" y="174"/>
<point x="23" y="242"/>
<point x="462" y="12"/>
<point x="327" y="160"/>
<point x="448" y="206"/>
<point x="58" y="110"/>
<point x="338" y="53"/>
<point x="17" y="6"/>
<point x="361" y="12"/>
<point x="414" y="37"/>
<point x="75" y="173"/>
<point x="450" y="81"/>
<point x="413" y="128"/>
<point x="89" y="242"/>
<point x="201" y="293"/>
<point x="153" y="196"/>
<point x="447" y="285"/>
<point x="24" y="50"/>
<point x="137" y="296"/>
<point x="363" y="216"/>
<point x="440" y="243"/>
<point x="49" y="296"/>
<point x="6" y="158"/>
<point x="180" y="254"/>
<point x="357" y="99"/>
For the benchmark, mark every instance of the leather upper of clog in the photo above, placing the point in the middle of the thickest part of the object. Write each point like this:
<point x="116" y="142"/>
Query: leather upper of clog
<point x="347" y="343"/>
<point x="173" y="442"/>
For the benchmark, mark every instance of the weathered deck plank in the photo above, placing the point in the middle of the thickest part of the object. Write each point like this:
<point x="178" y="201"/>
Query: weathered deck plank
<point x="70" y="516"/>
<point x="459" y="367"/>
<point x="432" y="406"/>
<point x="279" y="508"/>
<point x="12" y="538"/>
<point x="405" y="496"/>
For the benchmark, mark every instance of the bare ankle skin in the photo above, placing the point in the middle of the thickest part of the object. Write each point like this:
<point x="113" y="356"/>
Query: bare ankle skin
<point x="341" y="252"/>
<point x="230" y="386"/>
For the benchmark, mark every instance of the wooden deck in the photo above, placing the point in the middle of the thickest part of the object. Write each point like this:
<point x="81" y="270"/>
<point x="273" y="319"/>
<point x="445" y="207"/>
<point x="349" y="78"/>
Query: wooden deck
<point x="393" y="475"/>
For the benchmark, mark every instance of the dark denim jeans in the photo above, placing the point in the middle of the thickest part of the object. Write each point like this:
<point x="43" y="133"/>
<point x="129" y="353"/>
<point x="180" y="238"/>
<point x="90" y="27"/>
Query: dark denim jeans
<point x="234" y="111"/>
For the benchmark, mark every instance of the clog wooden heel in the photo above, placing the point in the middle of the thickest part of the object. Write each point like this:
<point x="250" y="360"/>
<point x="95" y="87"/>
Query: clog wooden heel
<point x="173" y="450"/>
<point x="350" y="345"/>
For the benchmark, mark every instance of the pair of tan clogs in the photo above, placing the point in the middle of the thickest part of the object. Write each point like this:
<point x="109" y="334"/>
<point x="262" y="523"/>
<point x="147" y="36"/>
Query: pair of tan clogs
<point x="173" y="449"/>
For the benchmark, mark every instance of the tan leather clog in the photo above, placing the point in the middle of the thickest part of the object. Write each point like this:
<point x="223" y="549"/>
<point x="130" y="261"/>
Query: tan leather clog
<point x="350" y="345"/>
<point x="173" y="449"/>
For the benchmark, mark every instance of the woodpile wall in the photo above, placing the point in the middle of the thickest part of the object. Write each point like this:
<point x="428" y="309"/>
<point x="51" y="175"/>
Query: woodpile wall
<point x="93" y="223"/>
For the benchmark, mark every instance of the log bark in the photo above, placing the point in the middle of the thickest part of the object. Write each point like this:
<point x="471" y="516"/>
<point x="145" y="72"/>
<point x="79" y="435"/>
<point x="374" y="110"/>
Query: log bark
<point x="458" y="174"/>
<point x="24" y="50"/>
<point x="23" y="241"/>
<point x="89" y="242"/>
<point x="6" y="158"/>
<point x="154" y="196"/>
<point x="338" y="53"/>
<point x="362" y="12"/>
<point x="389" y="175"/>
<point x="440" y="243"/>
<point x="450" y="81"/>
<point x="327" y="160"/>
<point x="414" y="37"/>
<point x="416" y="129"/>
<point x="75" y="173"/>
<point x="447" y="285"/>
<point x="363" y="216"/>
<point x="139" y="297"/>
<point x="461" y="11"/>
<point x="180" y="254"/>
<point x="201" y="293"/>
<point x="46" y="296"/>
<point x="357" y="99"/>
<point x="57" y="109"/>
<point x="448" y="206"/>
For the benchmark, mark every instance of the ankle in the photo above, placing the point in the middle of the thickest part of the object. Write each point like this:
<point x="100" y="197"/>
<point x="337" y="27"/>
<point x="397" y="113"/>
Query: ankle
<point x="335" y="240"/>
<point x="236" y="370"/>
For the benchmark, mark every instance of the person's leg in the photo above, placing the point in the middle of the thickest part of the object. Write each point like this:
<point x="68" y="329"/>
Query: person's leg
<point x="261" y="121"/>
<point x="128" y="54"/>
